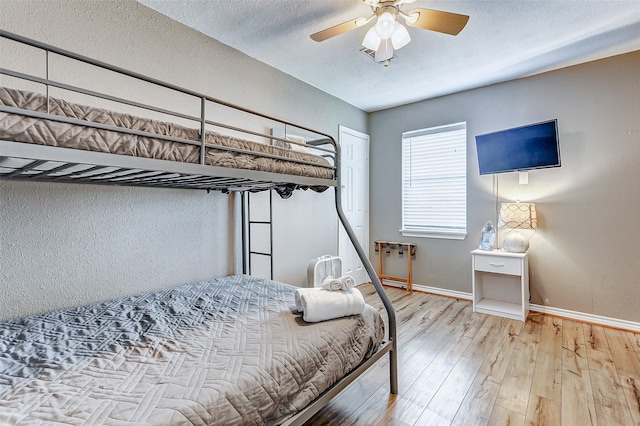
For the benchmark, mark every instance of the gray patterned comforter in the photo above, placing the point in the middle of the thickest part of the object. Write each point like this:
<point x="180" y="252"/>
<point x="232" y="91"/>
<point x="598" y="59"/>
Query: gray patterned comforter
<point x="230" y="351"/>
<point x="225" y="151"/>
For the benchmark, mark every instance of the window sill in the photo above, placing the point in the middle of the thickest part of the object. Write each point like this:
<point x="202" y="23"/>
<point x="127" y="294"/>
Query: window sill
<point x="435" y="234"/>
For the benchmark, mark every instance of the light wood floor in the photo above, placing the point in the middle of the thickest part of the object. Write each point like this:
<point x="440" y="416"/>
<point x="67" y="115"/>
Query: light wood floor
<point x="457" y="367"/>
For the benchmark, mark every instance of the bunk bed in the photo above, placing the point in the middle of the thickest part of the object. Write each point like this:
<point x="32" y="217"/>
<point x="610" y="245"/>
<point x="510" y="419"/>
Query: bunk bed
<point x="163" y="357"/>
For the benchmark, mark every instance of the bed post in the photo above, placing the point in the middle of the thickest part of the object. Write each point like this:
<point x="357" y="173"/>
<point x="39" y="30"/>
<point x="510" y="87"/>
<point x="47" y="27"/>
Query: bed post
<point x="243" y="214"/>
<point x="393" y="353"/>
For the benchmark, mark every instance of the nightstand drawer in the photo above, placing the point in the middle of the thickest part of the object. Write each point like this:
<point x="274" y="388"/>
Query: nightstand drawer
<point x="498" y="264"/>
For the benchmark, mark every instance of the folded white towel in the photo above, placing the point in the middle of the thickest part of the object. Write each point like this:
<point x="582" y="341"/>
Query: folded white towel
<point x="319" y="304"/>
<point x="343" y="283"/>
<point x="332" y="284"/>
<point x="347" y="282"/>
<point x="298" y="297"/>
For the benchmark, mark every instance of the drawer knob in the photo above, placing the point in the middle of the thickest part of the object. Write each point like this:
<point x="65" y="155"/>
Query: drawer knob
<point x="496" y="264"/>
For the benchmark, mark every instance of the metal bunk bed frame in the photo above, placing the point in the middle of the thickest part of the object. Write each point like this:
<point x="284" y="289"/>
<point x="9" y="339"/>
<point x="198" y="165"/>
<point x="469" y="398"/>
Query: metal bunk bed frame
<point x="77" y="166"/>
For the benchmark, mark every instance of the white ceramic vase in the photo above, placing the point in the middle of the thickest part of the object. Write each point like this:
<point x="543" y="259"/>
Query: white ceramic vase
<point x="515" y="243"/>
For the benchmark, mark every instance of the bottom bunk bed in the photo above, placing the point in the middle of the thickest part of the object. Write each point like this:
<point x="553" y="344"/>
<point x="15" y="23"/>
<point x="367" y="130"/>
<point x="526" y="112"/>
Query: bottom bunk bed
<point x="230" y="351"/>
<point x="227" y="351"/>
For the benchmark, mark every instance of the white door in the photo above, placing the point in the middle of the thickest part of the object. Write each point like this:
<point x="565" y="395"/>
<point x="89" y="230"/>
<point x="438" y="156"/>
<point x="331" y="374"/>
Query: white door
<point x="354" y="169"/>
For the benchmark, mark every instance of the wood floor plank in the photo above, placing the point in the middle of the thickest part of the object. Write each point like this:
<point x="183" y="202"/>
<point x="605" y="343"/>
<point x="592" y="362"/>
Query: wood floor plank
<point x="551" y="334"/>
<point x="354" y="396"/>
<point x="454" y="364"/>
<point x="623" y="352"/>
<point x="543" y="411"/>
<point x="427" y="384"/>
<point x="417" y="333"/>
<point x="547" y="376"/>
<point x="463" y="317"/>
<point x="391" y="422"/>
<point x="627" y="363"/>
<point x="495" y="363"/>
<point x="516" y="385"/>
<point x="434" y="340"/>
<point x="514" y="394"/>
<point x="483" y="336"/>
<point x="631" y="387"/>
<point x="403" y="411"/>
<point x="577" y="399"/>
<point x="422" y="325"/>
<point x="429" y="355"/>
<point x="474" y="322"/>
<point x="478" y="403"/>
<point x="373" y="410"/>
<point x="503" y="416"/>
<point x="438" y="353"/>
<point x="634" y="338"/>
<point x="451" y="393"/>
<point x="610" y="402"/>
<point x="429" y="418"/>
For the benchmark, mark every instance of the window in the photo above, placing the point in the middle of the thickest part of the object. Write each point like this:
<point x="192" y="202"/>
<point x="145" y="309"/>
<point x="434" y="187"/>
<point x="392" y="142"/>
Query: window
<point x="434" y="182"/>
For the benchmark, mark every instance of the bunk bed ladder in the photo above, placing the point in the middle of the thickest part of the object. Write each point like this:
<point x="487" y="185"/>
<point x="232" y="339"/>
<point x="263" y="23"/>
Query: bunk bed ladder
<point x="258" y="234"/>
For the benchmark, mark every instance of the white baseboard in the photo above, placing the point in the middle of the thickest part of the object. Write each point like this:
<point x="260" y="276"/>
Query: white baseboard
<point x="564" y="313"/>
<point x="589" y="318"/>
<point x="433" y="290"/>
<point x="442" y="292"/>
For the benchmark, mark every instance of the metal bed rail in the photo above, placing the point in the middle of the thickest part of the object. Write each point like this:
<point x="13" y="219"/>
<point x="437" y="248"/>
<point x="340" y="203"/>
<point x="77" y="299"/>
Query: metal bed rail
<point x="229" y="179"/>
<point x="317" y="142"/>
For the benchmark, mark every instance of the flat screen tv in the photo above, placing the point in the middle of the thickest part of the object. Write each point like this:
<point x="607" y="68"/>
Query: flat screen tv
<point x="534" y="146"/>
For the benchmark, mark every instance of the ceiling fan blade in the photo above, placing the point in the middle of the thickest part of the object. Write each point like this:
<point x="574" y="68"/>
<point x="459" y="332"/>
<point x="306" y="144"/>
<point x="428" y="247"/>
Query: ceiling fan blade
<point x="337" y="29"/>
<point x="435" y="20"/>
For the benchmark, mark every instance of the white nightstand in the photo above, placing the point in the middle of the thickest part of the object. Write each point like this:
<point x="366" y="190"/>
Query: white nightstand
<point x="500" y="283"/>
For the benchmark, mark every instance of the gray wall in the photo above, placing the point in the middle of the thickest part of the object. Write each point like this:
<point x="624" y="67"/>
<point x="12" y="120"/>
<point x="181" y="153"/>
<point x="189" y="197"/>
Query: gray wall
<point x="63" y="245"/>
<point x="585" y="254"/>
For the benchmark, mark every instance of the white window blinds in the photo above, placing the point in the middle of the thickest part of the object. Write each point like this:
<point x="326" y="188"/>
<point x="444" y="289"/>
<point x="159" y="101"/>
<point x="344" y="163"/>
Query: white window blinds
<point x="434" y="182"/>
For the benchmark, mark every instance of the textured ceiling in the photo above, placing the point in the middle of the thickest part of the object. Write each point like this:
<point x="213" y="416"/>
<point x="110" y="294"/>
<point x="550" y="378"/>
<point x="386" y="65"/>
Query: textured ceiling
<point x="502" y="41"/>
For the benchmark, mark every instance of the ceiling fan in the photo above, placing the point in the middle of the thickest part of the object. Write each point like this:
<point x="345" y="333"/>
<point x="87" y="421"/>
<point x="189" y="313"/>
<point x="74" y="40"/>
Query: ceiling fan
<point x="388" y="34"/>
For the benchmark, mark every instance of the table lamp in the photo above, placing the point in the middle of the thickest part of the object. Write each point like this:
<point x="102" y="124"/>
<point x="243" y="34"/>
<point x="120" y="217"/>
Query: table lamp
<point x="517" y="216"/>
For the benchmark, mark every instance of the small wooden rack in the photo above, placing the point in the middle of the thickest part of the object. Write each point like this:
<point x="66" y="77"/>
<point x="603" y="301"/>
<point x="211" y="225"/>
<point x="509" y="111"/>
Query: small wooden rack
<point x="387" y="246"/>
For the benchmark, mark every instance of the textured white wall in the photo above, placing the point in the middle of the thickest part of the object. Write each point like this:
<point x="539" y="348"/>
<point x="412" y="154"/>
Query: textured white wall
<point x="584" y="256"/>
<point x="63" y="245"/>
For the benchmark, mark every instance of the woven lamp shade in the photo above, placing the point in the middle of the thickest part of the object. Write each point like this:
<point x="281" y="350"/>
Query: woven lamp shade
<point x="517" y="216"/>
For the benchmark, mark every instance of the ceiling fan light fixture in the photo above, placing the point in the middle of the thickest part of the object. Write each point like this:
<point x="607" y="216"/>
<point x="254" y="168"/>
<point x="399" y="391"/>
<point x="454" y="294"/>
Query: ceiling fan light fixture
<point x="371" y="39"/>
<point x="400" y="37"/>
<point x="385" y="26"/>
<point x="389" y="33"/>
<point x="385" y="51"/>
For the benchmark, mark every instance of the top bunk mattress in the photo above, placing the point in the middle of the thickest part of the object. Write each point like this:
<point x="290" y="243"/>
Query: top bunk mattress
<point x="230" y="351"/>
<point x="225" y="151"/>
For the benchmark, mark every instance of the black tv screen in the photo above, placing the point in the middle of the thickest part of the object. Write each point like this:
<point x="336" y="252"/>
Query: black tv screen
<point x="521" y="148"/>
